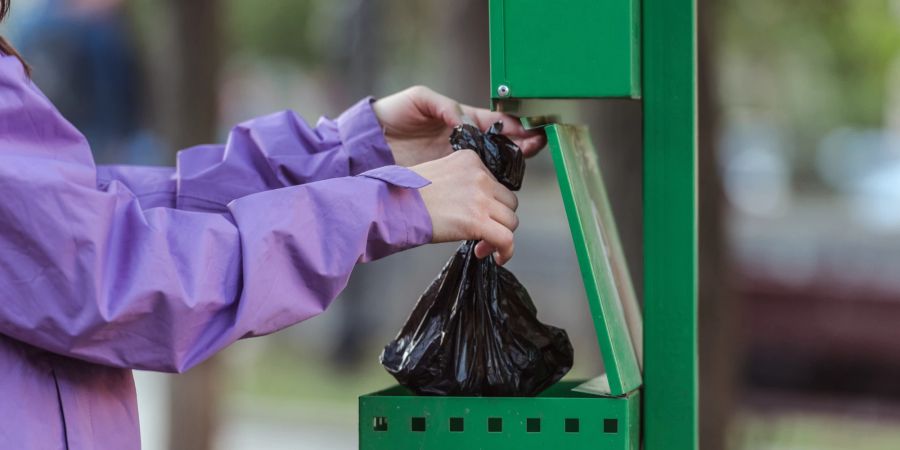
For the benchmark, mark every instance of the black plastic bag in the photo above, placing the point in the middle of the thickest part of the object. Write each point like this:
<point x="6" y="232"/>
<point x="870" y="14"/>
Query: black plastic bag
<point x="475" y="331"/>
<point x="499" y="153"/>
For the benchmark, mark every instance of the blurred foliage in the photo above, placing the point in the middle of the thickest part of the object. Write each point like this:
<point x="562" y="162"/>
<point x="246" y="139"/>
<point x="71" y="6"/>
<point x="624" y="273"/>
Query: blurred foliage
<point x="809" y="65"/>
<point x="315" y="35"/>
<point x="282" y="29"/>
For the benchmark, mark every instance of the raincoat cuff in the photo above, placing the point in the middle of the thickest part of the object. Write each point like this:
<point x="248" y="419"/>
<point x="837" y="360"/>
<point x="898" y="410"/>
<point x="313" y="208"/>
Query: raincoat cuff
<point x="411" y="208"/>
<point x="398" y="176"/>
<point x="363" y="137"/>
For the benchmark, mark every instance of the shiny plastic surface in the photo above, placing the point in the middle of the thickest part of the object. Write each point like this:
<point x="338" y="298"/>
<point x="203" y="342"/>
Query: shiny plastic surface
<point x="500" y="154"/>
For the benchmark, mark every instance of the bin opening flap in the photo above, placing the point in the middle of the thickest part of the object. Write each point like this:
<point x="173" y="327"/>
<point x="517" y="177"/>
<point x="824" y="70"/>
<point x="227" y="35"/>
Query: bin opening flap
<point x="607" y="282"/>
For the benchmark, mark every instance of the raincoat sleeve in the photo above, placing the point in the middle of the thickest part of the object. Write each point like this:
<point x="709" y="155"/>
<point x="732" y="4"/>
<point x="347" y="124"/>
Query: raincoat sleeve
<point x="90" y="273"/>
<point x="280" y="150"/>
<point x="269" y="152"/>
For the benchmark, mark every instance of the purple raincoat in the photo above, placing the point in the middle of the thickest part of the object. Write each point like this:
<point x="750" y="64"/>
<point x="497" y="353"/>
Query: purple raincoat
<point x="107" y="269"/>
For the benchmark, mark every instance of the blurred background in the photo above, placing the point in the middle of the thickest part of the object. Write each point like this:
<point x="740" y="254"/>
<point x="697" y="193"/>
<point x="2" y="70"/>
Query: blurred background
<point x="799" y="180"/>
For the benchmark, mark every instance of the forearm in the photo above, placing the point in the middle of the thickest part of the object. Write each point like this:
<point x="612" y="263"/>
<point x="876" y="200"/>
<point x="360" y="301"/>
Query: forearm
<point x="163" y="289"/>
<point x="262" y="154"/>
<point x="91" y="269"/>
<point x="280" y="150"/>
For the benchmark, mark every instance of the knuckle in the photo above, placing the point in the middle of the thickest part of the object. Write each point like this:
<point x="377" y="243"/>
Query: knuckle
<point x="508" y="239"/>
<point x="482" y="214"/>
<point x="482" y="200"/>
<point x="483" y="179"/>
<point x="478" y="208"/>
<point x="418" y="89"/>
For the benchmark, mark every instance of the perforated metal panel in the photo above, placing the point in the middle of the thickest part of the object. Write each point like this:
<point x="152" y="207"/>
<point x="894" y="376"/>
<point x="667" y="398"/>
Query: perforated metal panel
<point x="560" y="418"/>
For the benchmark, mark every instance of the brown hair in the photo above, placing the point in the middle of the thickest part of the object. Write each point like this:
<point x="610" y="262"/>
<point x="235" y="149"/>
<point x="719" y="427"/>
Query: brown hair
<point x="5" y="46"/>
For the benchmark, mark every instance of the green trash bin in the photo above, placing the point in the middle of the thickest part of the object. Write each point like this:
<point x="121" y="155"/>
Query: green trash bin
<point x="602" y="413"/>
<point x="588" y="49"/>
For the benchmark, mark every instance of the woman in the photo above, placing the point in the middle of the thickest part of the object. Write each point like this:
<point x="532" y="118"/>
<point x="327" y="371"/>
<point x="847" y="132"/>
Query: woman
<point x="107" y="269"/>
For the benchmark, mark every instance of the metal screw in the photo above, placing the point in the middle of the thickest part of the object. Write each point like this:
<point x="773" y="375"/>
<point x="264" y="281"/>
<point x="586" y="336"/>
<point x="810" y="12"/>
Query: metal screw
<point x="503" y="90"/>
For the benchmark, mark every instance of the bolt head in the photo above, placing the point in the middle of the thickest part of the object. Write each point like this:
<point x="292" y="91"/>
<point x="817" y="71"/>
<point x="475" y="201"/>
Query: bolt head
<point x="503" y="90"/>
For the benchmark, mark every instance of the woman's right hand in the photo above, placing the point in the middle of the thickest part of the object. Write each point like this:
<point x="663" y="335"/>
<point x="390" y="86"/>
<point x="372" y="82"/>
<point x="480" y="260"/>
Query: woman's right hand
<point x="466" y="202"/>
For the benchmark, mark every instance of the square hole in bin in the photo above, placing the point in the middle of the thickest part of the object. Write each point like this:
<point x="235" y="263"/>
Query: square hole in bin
<point x="495" y="424"/>
<point x="379" y="423"/>
<point x="533" y="425"/>
<point x="417" y="424"/>
<point x="610" y="425"/>
<point x="456" y="424"/>
<point x="572" y="425"/>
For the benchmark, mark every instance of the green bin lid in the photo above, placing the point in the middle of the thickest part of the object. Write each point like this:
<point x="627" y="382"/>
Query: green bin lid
<point x="607" y="282"/>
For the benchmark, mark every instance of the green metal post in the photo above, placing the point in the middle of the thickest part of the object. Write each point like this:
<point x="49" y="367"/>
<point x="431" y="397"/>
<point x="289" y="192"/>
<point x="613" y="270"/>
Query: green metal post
<point x="670" y="225"/>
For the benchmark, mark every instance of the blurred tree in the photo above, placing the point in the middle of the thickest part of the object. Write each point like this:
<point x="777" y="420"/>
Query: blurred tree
<point x="180" y="47"/>
<point x="352" y="60"/>
<point x="197" y="62"/>
<point x="291" y="30"/>
<point x="833" y="45"/>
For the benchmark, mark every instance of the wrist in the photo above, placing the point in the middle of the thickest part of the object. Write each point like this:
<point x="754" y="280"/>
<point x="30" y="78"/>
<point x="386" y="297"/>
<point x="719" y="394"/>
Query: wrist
<point x="362" y="137"/>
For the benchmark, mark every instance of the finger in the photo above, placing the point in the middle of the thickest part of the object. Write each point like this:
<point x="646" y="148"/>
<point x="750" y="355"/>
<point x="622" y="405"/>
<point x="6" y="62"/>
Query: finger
<point x="479" y="166"/>
<point x="506" y="197"/>
<point x="501" y="238"/>
<point x="512" y="126"/>
<point x="483" y="249"/>
<point x="484" y="118"/>
<point x="532" y="145"/>
<point x="504" y="216"/>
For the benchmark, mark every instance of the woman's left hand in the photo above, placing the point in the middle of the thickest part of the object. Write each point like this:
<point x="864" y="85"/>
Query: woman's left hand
<point x="417" y="124"/>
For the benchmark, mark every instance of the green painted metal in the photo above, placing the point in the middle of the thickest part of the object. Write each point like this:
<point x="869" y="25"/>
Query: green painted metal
<point x="565" y="48"/>
<point x="396" y="419"/>
<point x="591" y="49"/>
<point x="388" y="420"/>
<point x="604" y="272"/>
<point x="670" y="225"/>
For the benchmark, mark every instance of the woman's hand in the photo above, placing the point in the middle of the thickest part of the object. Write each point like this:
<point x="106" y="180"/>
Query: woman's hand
<point x="465" y="202"/>
<point x="417" y="124"/>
